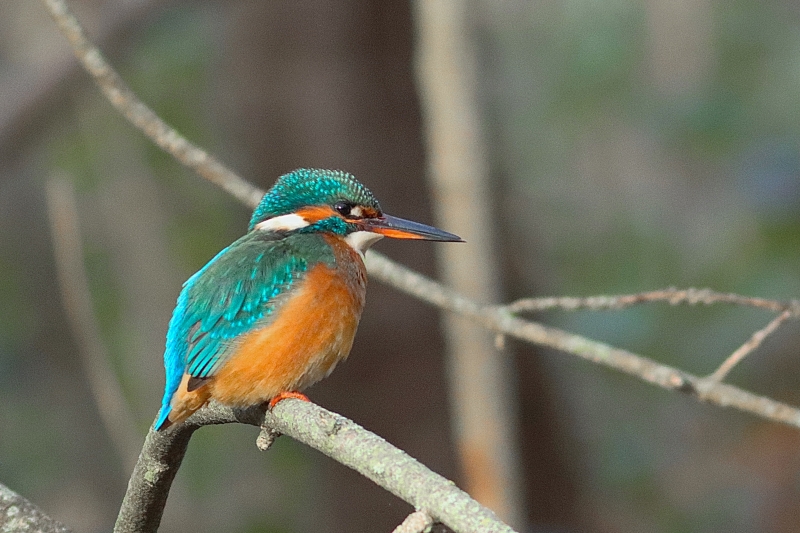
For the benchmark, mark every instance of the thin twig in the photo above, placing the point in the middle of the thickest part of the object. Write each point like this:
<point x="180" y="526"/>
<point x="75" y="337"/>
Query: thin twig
<point x="24" y="110"/>
<point x="671" y="295"/>
<point x="141" y="116"/>
<point x="119" y="422"/>
<point x="330" y="433"/>
<point x="312" y="420"/>
<point x="754" y="342"/>
<point x="645" y="369"/>
<point x="417" y="522"/>
<point x="410" y="282"/>
<point x="499" y="319"/>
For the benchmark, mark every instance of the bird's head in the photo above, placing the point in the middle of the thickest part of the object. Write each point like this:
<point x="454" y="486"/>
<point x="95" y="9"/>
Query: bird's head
<point x="332" y="201"/>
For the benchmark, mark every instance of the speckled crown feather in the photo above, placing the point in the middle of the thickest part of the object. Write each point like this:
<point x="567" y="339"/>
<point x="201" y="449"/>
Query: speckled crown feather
<point x="310" y="186"/>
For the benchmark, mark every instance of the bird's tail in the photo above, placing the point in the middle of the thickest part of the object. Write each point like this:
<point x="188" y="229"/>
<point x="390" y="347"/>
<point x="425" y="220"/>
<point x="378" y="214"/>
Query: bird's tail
<point x="181" y="405"/>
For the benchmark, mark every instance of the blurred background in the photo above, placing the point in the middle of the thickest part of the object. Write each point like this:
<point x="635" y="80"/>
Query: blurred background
<point x="632" y="145"/>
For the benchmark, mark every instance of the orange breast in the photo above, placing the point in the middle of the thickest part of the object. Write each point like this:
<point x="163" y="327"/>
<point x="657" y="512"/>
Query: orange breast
<point x="313" y="331"/>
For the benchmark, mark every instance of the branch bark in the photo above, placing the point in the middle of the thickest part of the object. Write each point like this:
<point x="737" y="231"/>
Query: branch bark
<point x="499" y="319"/>
<point x="334" y="435"/>
<point x="673" y="296"/>
<point x="18" y="515"/>
<point x="141" y="116"/>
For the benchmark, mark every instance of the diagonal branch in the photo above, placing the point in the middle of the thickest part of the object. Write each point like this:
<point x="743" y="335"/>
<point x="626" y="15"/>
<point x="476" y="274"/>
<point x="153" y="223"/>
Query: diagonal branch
<point x="32" y="94"/>
<point x="502" y="321"/>
<point x="330" y="433"/>
<point x="108" y="397"/>
<point x="754" y="342"/>
<point x="21" y="516"/>
<point x="141" y="116"/>
<point x="497" y="318"/>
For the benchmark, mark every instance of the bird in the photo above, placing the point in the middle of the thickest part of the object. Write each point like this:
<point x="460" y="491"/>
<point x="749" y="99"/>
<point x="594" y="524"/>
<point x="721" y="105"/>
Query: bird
<point x="274" y="312"/>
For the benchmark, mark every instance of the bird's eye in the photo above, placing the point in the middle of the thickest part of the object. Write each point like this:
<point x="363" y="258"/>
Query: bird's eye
<point x="343" y="208"/>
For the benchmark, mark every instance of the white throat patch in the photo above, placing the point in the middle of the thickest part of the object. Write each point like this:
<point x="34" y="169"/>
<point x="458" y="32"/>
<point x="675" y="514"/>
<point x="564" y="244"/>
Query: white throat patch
<point x="360" y="241"/>
<point x="282" y="223"/>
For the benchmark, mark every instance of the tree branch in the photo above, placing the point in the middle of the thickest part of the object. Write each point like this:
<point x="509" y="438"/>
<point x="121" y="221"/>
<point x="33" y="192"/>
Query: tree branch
<point x="745" y="349"/>
<point x="330" y="433"/>
<point x="674" y="296"/>
<point x="499" y="319"/>
<point x="18" y="515"/>
<point x="144" y="501"/>
<point x="416" y="522"/>
<point x="76" y="299"/>
<point x="141" y="116"/>
<point x="30" y="95"/>
<point x="336" y="436"/>
<point x="671" y="295"/>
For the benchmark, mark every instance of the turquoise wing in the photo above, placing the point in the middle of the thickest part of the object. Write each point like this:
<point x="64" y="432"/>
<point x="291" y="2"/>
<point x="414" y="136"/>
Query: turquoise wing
<point x="238" y="290"/>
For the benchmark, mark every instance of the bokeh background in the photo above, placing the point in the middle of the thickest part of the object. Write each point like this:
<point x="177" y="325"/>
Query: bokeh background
<point x="633" y="144"/>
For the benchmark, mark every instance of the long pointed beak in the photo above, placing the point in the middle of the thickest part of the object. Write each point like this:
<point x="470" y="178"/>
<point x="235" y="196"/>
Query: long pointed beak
<point x="399" y="228"/>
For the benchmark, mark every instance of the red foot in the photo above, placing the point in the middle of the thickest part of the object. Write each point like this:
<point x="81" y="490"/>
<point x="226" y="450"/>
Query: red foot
<point x="287" y="394"/>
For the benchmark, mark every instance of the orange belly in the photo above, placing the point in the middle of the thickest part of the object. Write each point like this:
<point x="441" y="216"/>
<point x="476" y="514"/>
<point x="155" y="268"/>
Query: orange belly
<point x="312" y="332"/>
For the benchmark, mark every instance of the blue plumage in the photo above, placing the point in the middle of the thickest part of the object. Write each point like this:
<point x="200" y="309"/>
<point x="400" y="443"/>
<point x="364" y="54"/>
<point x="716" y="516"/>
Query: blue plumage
<point x="308" y="215"/>
<point x="218" y="304"/>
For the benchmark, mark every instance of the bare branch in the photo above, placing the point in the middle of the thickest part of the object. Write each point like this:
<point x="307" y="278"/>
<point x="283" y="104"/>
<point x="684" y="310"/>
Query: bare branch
<point x="18" y="515"/>
<point x="141" y="116"/>
<point x="336" y="436"/>
<point x="148" y="489"/>
<point x="671" y="295"/>
<point x="754" y="342"/>
<point x="500" y="320"/>
<point x="30" y="95"/>
<point x="330" y="433"/>
<point x="495" y="318"/>
<point x="76" y="298"/>
<point x="417" y="522"/>
<point x="674" y="296"/>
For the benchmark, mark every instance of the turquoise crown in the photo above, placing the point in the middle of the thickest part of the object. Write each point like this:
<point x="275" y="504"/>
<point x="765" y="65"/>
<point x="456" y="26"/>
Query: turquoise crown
<point x="310" y="186"/>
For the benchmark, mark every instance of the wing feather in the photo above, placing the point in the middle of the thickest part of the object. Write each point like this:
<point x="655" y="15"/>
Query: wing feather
<point x="237" y="291"/>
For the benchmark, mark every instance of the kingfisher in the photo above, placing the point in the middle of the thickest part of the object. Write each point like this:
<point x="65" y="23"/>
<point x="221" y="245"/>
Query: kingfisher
<point x="274" y="312"/>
